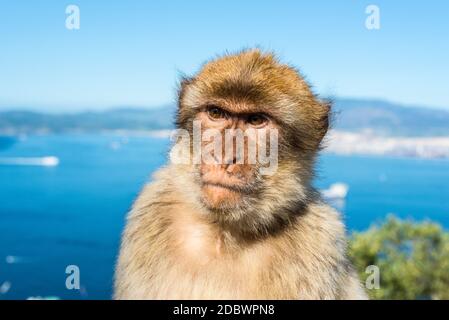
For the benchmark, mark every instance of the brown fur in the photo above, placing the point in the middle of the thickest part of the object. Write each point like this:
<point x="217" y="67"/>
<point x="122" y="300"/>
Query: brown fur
<point x="281" y="242"/>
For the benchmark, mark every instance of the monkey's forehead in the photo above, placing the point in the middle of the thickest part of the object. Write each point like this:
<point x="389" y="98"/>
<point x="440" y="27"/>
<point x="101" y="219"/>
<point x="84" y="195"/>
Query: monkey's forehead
<point x="251" y="82"/>
<point x="251" y="72"/>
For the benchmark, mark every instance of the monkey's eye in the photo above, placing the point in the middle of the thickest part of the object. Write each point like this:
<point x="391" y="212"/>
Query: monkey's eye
<point x="215" y="113"/>
<point x="257" y="119"/>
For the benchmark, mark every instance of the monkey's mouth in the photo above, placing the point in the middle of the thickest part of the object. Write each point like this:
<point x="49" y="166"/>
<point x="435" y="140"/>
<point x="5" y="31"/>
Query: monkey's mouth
<point x="234" y="187"/>
<point x="219" y="195"/>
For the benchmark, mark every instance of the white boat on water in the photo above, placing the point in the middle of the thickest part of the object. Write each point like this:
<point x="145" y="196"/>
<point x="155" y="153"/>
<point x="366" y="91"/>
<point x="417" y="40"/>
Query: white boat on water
<point x="49" y="161"/>
<point x="336" y="191"/>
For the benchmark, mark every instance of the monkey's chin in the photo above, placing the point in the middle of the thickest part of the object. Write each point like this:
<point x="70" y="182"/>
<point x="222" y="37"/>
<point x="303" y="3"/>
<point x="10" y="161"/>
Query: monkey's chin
<point x="218" y="197"/>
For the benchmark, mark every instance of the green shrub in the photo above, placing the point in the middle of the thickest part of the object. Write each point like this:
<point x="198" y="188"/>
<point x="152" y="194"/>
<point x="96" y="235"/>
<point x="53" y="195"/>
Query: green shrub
<point x="413" y="259"/>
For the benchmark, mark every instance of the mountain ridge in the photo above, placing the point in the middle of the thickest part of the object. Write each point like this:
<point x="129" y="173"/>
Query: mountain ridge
<point x="349" y="114"/>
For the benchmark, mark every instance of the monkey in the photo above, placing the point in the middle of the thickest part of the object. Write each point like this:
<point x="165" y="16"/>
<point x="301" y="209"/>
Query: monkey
<point x="222" y="230"/>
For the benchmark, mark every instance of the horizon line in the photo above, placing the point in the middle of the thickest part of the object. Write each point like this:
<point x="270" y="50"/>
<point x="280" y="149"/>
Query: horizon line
<point x="68" y="110"/>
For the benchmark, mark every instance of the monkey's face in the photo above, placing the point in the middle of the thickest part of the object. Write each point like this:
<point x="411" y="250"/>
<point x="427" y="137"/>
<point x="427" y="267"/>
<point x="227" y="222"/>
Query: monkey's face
<point x="231" y="144"/>
<point x="251" y="91"/>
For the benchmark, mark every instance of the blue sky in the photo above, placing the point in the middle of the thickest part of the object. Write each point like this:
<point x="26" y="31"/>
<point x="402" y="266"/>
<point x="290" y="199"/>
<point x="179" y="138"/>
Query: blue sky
<point x="131" y="52"/>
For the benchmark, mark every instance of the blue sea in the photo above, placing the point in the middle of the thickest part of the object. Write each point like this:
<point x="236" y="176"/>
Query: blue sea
<point x="73" y="213"/>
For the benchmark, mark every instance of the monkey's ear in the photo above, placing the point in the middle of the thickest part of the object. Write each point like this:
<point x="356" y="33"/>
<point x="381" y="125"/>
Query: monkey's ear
<point x="183" y="113"/>
<point x="325" y="119"/>
<point x="182" y="87"/>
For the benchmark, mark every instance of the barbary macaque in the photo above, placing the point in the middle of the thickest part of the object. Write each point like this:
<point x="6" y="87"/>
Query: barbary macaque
<point x="224" y="224"/>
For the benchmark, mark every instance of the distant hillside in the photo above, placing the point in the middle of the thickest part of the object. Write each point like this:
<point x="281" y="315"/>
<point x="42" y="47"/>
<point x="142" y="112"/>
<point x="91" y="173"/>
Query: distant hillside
<point x="354" y="115"/>
<point x="14" y="122"/>
<point x="389" y="119"/>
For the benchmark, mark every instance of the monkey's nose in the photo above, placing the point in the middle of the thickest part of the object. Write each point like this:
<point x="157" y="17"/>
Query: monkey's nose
<point x="234" y="167"/>
<point x="230" y="160"/>
<point x="229" y="164"/>
<point x="233" y="154"/>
